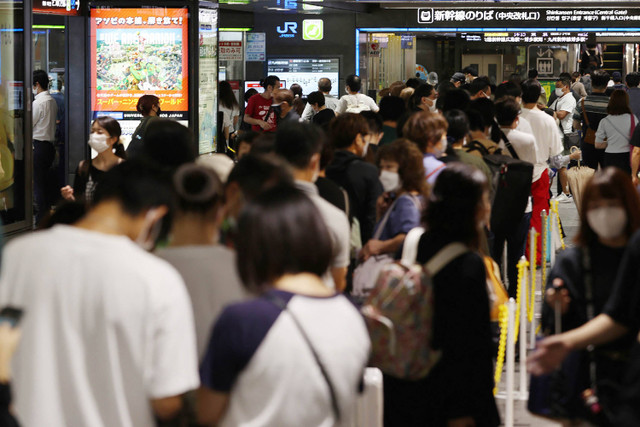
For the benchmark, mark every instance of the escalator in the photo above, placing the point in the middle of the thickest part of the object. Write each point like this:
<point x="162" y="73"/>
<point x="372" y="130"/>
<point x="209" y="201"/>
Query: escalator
<point x="613" y="57"/>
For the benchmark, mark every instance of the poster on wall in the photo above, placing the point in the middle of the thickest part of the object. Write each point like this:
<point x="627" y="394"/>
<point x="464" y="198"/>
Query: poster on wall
<point x="208" y="89"/>
<point x="137" y="52"/>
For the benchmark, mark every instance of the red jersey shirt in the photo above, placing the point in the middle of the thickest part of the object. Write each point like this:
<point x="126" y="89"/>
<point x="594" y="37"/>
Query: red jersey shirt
<point x="258" y="108"/>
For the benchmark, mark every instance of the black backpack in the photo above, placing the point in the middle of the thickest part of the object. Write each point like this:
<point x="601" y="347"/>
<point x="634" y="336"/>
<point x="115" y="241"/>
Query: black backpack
<point x="512" y="183"/>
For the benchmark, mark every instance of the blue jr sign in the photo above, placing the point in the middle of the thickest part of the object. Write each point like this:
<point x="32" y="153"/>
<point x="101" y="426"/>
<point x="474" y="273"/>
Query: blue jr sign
<point x="288" y="30"/>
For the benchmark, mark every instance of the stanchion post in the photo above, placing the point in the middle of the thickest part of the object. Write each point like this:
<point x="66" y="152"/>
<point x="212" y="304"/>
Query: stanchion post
<point x="545" y="249"/>
<point x="533" y="255"/>
<point x="511" y="365"/>
<point x="523" y="339"/>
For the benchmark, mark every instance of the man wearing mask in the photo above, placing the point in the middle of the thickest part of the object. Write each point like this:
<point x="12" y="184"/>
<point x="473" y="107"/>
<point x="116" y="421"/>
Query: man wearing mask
<point x="45" y="111"/>
<point x="563" y="107"/>
<point x="110" y="329"/>
<point x="259" y="112"/>
<point x="350" y="136"/>
<point x="470" y="74"/>
<point x="480" y="88"/>
<point x="282" y="106"/>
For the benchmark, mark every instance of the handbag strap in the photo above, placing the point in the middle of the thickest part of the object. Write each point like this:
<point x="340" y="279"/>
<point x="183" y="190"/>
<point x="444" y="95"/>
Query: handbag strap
<point x="509" y="146"/>
<point x="633" y="126"/>
<point x="584" y="114"/>
<point x="410" y="247"/>
<point x="444" y="257"/>
<point x="278" y="302"/>
<point x="588" y="285"/>
<point x="383" y="221"/>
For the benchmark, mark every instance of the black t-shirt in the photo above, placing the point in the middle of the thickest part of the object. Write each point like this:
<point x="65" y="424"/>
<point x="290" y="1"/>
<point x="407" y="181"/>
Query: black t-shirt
<point x="86" y="179"/>
<point x="624" y="304"/>
<point x="323" y="117"/>
<point x="332" y="193"/>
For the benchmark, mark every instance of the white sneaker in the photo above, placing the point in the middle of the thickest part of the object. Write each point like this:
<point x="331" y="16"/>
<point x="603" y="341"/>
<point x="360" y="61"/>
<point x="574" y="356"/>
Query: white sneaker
<point x="564" y="198"/>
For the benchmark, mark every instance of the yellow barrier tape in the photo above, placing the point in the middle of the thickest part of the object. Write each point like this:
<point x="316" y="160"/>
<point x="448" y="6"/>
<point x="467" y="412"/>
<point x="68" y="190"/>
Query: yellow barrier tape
<point x="503" y="319"/>
<point x="555" y="209"/>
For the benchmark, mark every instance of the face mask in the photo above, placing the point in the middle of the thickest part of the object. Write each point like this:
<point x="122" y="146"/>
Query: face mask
<point x="486" y="96"/>
<point x="278" y="110"/>
<point x="440" y="151"/>
<point x="98" y="142"/>
<point x="34" y="91"/>
<point x="559" y="93"/>
<point x="159" y="110"/>
<point x="390" y="180"/>
<point x="366" y="147"/>
<point x="432" y="107"/>
<point x="150" y="232"/>
<point x="467" y="79"/>
<point x="607" y="222"/>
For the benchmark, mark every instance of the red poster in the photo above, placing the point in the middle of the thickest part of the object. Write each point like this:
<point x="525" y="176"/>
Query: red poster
<point x="136" y="52"/>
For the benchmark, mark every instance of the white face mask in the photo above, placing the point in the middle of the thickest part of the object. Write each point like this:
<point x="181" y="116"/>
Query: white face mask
<point x="607" y="222"/>
<point x="150" y="232"/>
<point x="99" y="142"/>
<point x="559" y="93"/>
<point x="366" y="147"/>
<point x="440" y="151"/>
<point x="432" y="107"/>
<point x="390" y="180"/>
<point x="34" y="91"/>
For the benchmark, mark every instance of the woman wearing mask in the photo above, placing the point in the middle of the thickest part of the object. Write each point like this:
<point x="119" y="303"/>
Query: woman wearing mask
<point x="206" y="267"/>
<point x="295" y="354"/>
<point x="614" y="131"/>
<point x="149" y="107"/>
<point x="424" y="99"/>
<point x="610" y="214"/>
<point x="105" y="140"/>
<point x="458" y="391"/>
<point x="400" y="206"/>
<point x="429" y="132"/>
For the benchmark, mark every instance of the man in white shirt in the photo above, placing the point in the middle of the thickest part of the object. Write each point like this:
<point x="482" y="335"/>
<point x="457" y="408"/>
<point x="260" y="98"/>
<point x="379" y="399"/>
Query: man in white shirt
<point x="300" y="144"/>
<point x="324" y="86"/>
<point x="563" y="107"/>
<point x="548" y="147"/>
<point x="45" y="111"/>
<point x="354" y="102"/>
<point x="108" y="337"/>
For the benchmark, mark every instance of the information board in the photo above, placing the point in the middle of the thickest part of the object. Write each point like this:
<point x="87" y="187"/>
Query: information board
<point x="306" y="72"/>
<point x="208" y="88"/>
<point x="137" y="52"/>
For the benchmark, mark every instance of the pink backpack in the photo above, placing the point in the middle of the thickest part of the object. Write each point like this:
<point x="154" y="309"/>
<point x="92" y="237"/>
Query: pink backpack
<point x="399" y="311"/>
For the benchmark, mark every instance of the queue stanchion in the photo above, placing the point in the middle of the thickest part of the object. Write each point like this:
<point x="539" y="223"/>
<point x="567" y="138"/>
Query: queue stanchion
<point x="503" y="320"/>
<point x="533" y="246"/>
<point x="544" y="259"/>
<point x="523" y="395"/>
<point x="511" y="363"/>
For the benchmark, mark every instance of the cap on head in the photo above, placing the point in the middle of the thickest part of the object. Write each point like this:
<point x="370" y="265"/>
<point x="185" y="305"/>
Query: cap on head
<point x="458" y="77"/>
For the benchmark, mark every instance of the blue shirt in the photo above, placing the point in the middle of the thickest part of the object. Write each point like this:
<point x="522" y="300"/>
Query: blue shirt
<point x="404" y="216"/>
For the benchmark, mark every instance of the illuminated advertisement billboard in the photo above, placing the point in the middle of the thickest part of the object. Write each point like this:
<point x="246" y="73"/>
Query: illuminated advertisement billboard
<point x="137" y="52"/>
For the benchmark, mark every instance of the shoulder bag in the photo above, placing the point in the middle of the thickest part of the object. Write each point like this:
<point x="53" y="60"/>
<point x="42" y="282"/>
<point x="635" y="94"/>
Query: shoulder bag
<point x="588" y="134"/>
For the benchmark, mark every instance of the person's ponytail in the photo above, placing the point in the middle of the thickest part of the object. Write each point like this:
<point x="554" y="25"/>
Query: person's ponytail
<point x="119" y="149"/>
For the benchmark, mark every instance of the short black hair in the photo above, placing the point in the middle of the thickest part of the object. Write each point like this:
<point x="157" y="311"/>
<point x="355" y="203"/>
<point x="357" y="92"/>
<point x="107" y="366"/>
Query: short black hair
<point x="470" y="70"/>
<point x="455" y="99"/>
<point x="476" y="121"/>
<point x="270" y="81"/>
<point x="413" y="82"/>
<point x="280" y="232"/>
<point x="255" y="173"/>
<point x="458" y="124"/>
<point x="137" y="185"/>
<point x="354" y="83"/>
<point x="508" y="89"/>
<point x="478" y="85"/>
<point x="41" y="77"/>
<point x="198" y="189"/>
<point x="600" y="78"/>
<point x="316" y="97"/>
<point x="324" y="84"/>
<point x="533" y="73"/>
<point x="374" y="120"/>
<point x="296" y="142"/>
<point x="391" y="108"/>
<point x="246" y="137"/>
<point x="515" y="78"/>
<point x="633" y="79"/>
<point x="424" y="90"/>
<point x="169" y="143"/>
<point x="485" y="108"/>
<point x="531" y="90"/>
<point x="507" y="110"/>
<point x="566" y="81"/>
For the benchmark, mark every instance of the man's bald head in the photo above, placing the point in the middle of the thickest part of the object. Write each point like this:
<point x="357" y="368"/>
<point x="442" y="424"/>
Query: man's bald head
<point x="324" y="85"/>
<point x="283" y="95"/>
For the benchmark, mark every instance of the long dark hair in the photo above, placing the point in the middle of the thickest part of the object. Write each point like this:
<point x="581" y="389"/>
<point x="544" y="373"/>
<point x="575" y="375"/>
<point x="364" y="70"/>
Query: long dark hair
<point x="226" y="96"/>
<point x="114" y="130"/>
<point x="609" y="183"/>
<point x="454" y="202"/>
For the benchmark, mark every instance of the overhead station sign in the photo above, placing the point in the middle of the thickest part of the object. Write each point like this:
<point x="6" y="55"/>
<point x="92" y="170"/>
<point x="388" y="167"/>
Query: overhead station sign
<point x="543" y="37"/>
<point x="528" y="17"/>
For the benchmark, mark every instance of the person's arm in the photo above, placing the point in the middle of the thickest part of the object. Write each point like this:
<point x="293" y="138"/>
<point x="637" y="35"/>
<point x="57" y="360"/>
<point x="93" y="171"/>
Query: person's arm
<point x="211" y="406"/>
<point x="601" y="134"/>
<point x="342" y="106"/>
<point x="168" y="408"/>
<point x="561" y="114"/>
<point x="635" y="164"/>
<point x="307" y="114"/>
<point x="339" y="275"/>
<point x="378" y="247"/>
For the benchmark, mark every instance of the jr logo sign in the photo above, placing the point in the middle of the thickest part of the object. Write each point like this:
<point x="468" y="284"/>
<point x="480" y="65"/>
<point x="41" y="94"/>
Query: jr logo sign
<point x="288" y="29"/>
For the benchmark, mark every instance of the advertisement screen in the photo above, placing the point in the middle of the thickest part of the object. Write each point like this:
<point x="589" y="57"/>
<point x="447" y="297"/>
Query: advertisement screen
<point x="306" y="72"/>
<point x="137" y="52"/>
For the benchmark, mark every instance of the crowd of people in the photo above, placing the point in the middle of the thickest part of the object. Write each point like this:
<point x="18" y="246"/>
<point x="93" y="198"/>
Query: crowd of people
<point x="227" y="292"/>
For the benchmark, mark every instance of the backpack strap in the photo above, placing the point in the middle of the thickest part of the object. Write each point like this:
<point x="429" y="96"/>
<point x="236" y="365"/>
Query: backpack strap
<point x="584" y="114"/>
<point x="509" y="145"/>
<point x="410" y="246"/>
<point x="444" y="257"/>
<point x="442" y="166"/>
<point x="477" y="146"/>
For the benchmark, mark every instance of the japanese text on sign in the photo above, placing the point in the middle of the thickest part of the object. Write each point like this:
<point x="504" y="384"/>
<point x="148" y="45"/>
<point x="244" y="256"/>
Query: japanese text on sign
<point x="230" y="50"/>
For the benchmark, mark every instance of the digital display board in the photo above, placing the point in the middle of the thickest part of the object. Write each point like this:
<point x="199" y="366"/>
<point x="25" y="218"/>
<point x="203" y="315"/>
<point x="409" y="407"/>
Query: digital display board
<point x="306" y="72"/>
<point x="57" y="7"/>
<point x="540" y="37"/>
<point x="137" y="52"/>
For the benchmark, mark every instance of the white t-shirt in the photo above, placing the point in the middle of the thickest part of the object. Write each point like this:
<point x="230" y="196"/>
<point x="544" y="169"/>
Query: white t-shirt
<point x="565" y="103"/>
<point x="617" y="131"/>
<point x="329" y="101"/>
<point x="363" y="101"/>
<point x="106" y="328"/>
<point x="547" y="138"/>
<point x="524" y="145"/>
<point x="209" y="272"/>
<point x="259" y="356"/>
<point x="229" y="114"/>
<point x="44" y="115"/>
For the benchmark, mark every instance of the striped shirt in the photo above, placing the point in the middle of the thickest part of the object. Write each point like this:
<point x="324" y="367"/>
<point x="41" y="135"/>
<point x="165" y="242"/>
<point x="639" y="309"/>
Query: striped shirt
<point x="595" y="106"/>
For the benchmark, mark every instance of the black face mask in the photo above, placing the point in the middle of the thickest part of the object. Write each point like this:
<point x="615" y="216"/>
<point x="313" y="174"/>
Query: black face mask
<point x="159" y="110"/>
